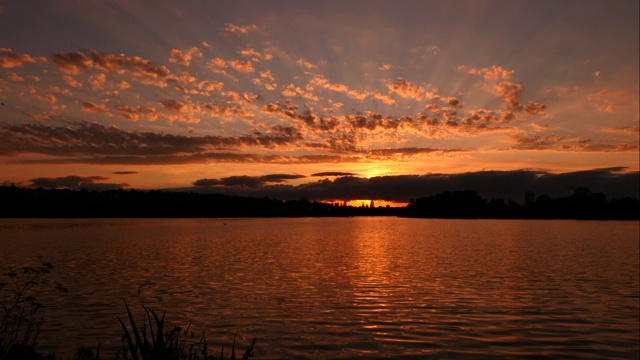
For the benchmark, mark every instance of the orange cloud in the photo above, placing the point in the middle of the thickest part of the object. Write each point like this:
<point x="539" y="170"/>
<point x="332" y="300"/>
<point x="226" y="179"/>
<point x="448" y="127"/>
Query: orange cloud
<point x="71" y="81"/>
<point x="210" y="85"/>
<point x="239" y="30"/>
<point x="242" y="66"/>
<point x="93" y="108"/>
<point x="139" y="66"/>
<point x="184" y="58"/>
<point x="307" y="65"/>
<point x="96" y="81"/>
<point x="72" y="62"/>
<point x="623" y="129"/>
<point x="492" y="73"/>
<point x="321" y="81"/>
<point x="10" y="59"/>
<point x="173" y="105"/>
<point x="406" y="89"/>
<point x="510" y="93"/>
<point x="133" y="113"/>
<point x="384" y="98"/>
<point x="14" y="77"/>
<point x="57" y="90"/>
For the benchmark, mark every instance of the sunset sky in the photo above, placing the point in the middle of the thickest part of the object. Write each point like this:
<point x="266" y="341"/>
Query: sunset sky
<point x="324" y="99"/>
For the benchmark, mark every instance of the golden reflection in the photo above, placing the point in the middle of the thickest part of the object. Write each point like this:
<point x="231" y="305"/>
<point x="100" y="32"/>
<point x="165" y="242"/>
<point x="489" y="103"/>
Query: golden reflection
<point x="368" y="203"/>
<point x="372" y="272"/>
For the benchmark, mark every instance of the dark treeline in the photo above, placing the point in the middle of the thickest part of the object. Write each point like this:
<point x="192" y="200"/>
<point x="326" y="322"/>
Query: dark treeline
<point x="583" y="204"/>
<point x="64" y="203"/>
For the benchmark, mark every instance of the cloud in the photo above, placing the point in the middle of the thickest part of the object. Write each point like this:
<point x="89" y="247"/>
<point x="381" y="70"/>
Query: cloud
<point x="319" y="80"/>
<point x="239" y="30"/>
<point x="76" y="183"/>
<point x="623" y="129"/>
<point x="10" y="59"/>
<point x="306" y="64"/>
<point x="93" y="108"/>
<point x="385" y="67"/>
<point x="242" y="66"/>
<point x="455" y="102"/>
<point x="492" y="73"/>
<point x="406" y="89"/>
<point x="14" y="77"/>
<point x="133" y="113"/>
<point x="207" y="85"/>
<point x="539" y="142"/>
<point x="224" y="110"/>
<point x="138" y="66"/>
<point x="72" y="62"/>
<point x="424" y="52"/>
<point x="247" y="181"/>
<point x="510" y="93"/>
<point x="384" y="98"/>
<point x="97" y="81"/>
<point x="333" y="173"/>
<point x="614" y="182"/>
<point x="125" y="172"/>
<point x="173" y="105"/>
<point x="93" y="143"/>
<point x="183" y="58"/>
<point x="71" y="81"/>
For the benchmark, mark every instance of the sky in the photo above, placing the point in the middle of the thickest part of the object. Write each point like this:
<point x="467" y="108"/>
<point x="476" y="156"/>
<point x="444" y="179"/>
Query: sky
<point x="329" y="100"/>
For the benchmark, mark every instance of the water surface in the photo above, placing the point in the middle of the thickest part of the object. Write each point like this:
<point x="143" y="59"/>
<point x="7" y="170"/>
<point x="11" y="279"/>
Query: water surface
<point x="345" y="287"/>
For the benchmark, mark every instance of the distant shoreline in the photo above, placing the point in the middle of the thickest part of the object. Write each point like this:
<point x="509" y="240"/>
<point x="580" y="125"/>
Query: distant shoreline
<point x="64" y="203"/>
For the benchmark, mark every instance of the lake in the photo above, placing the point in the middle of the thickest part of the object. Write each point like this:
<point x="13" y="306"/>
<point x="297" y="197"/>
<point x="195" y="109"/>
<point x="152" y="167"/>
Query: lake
<point x="363" y="287"/>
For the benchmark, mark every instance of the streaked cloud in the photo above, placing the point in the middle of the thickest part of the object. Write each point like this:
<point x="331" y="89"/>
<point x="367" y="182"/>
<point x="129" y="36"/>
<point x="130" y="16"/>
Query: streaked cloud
<point x="248" y="181"/>
<point x="73" y="182"/>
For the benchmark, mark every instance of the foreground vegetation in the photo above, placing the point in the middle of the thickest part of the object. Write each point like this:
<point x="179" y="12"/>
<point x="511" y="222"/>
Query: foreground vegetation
<point x="21" y="320"/>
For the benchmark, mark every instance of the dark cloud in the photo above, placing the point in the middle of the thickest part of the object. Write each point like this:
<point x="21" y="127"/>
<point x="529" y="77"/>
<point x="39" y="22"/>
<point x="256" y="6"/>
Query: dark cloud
<point x="76" y="183"/>
<point x="72" y="62"/>
<point x="173" y="105"/>
<point x="247" y="181"/>
<point x="125" y="172"/>
<point x="564" y="143"/>
<point x="115" y="63"/>
<point x="614" y="182"/>
<point x="85" y="140"/>
<point x="333" y="173"/>
<point x="93" y="108"/>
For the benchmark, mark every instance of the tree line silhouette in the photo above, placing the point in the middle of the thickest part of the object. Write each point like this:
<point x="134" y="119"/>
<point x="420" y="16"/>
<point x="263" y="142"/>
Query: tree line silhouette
<point x="16" y="202"/>
<point x="583" y="204"/>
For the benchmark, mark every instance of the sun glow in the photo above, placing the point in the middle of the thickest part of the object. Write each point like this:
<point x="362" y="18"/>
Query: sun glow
<point x="367" y="203"/>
